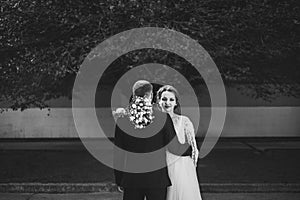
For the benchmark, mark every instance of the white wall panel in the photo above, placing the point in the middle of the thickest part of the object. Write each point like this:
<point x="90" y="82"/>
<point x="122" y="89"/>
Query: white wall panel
<point x="240" y="122"/>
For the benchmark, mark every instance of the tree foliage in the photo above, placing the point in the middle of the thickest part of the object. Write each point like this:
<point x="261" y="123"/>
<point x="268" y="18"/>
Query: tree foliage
<point x="44" y="42"/>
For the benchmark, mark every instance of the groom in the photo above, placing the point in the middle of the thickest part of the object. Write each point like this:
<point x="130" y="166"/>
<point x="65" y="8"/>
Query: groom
<point x="158" y="135"/>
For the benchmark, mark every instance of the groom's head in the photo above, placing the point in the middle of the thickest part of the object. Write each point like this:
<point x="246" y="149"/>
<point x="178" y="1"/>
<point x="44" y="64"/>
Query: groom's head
<point x="142" y="88"/>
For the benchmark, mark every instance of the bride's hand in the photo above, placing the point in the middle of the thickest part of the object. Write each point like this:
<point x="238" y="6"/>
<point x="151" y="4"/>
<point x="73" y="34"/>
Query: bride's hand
<point x="119" y="112"/>
<point x="195" y="156"/>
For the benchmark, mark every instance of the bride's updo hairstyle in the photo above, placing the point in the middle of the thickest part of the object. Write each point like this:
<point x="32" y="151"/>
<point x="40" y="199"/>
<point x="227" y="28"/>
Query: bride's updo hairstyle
<point x="142" y="88"/>
<point x="169" y="88"/>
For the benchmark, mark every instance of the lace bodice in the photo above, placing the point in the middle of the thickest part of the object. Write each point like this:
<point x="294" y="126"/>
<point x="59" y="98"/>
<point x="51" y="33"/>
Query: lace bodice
<point x="183" y="126"/>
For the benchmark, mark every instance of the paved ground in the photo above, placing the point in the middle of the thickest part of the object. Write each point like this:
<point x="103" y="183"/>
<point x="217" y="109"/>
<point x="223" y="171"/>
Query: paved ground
<point x="232" y="166"/>
<point x="118" y="196"/>
<point x="223" y="165"/>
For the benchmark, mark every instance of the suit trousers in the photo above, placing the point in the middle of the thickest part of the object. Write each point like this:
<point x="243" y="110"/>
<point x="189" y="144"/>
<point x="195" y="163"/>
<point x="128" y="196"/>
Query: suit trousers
<point x="141" y="193"/>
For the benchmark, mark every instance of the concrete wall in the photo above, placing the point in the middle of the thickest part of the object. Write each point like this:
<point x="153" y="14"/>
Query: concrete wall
<point x="240" y="122"/>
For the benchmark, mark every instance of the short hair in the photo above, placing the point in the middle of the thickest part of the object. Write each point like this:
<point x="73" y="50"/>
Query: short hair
<point x="142" y="88"/>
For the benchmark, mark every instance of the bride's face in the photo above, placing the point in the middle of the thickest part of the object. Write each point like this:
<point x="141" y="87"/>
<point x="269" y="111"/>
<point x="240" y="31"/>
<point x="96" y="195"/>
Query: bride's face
<point x="167" y="101"/>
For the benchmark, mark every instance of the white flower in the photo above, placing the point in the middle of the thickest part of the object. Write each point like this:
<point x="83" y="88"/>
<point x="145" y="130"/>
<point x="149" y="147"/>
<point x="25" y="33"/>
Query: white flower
<point x="141" y="112"/>
<point x="139" y="126"/>
<point x="131" y="118"/>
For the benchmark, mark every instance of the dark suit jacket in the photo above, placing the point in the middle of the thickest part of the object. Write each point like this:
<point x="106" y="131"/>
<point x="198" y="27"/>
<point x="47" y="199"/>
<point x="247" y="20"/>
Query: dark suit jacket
<point x="148" y="170"/>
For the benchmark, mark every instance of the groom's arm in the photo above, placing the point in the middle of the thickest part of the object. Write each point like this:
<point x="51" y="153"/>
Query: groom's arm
<point x="119" y="156"/>
<point x="173" y="145"/>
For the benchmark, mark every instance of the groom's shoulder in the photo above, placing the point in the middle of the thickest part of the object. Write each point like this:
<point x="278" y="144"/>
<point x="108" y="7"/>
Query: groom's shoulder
<point x="161" y="116"/>
<point x="158" y="112"/>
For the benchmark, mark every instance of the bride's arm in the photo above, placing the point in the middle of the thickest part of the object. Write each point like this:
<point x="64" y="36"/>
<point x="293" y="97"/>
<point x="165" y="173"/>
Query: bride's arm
<point x="190" y="134"/>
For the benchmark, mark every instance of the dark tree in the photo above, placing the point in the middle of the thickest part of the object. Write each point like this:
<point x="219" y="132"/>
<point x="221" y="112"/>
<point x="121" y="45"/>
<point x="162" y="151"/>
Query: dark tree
<point x="44" y="42"/>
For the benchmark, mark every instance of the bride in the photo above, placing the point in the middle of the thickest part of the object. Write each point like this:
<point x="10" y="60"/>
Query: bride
<point x="182" y="170"/>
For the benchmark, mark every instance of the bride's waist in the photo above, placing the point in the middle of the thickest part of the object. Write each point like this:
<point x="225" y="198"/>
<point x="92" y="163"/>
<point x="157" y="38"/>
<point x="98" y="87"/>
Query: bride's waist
<point x="169" y="154"/>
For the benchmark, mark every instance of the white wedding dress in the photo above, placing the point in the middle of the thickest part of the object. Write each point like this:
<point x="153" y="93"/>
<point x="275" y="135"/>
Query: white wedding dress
<point x="182" y="170"/>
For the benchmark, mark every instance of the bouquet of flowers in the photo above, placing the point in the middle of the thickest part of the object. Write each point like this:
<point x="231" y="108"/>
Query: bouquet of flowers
<point x="140" y="112"/>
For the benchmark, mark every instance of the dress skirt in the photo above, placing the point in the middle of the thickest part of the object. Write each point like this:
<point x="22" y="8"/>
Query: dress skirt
<point x="183" y="175"/>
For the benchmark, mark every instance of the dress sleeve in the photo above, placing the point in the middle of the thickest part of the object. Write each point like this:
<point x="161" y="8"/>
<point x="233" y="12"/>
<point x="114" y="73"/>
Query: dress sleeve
<point x="189" y="128"/>
<point x="190" y="135"/>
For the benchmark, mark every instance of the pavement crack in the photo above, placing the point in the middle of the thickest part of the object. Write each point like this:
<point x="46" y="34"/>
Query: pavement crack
<point x="256" y="150"/>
